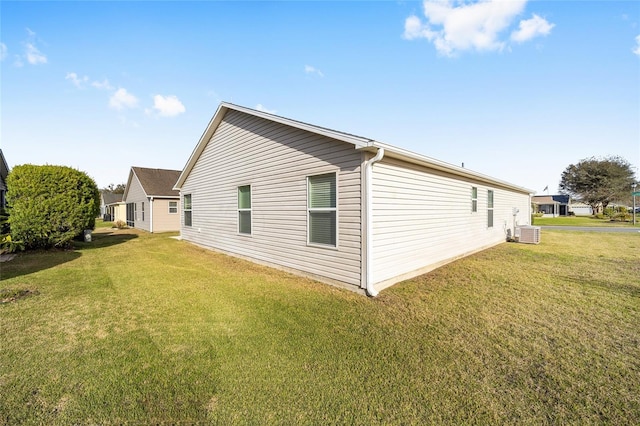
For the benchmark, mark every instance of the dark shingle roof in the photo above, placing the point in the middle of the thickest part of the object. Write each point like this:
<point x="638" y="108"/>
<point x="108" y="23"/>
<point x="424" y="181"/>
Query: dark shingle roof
<point x="110" y="197"/>
<point x="158" y="182"/>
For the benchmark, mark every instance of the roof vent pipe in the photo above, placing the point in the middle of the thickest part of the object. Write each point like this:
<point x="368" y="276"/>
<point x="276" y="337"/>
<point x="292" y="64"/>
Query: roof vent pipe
<point x="371" y="291"/>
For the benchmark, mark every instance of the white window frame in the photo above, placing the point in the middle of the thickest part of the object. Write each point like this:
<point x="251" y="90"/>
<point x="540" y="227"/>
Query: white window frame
<point x="474" y="199"/>
<point x="185" y="209"/>
<point x="325" y="209"/>
<point x="490" y="203"/>
<point x="175" y="212"/>
<point x="142" y="211"/>
<point x="245" y="209"/>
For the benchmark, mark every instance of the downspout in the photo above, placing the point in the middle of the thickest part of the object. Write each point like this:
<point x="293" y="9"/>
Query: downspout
<point x="368" y="169"/>
<point x="151" y="215"/>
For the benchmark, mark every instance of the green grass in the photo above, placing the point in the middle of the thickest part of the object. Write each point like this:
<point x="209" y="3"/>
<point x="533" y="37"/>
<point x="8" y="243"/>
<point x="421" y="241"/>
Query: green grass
<point x="581" y="221"/>
<point x="144" y="329"/>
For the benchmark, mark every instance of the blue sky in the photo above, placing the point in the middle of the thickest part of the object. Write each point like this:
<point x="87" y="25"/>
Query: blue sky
<point x="514" y="89"/>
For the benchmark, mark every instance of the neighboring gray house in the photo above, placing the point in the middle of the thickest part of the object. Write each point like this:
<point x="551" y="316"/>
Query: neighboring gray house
<point x="552" y="205"/>
<point x="337" y="207"/>
<point x="107" y="200"/>
<point x="4" y="172"/>
<point x="151" y="202"/>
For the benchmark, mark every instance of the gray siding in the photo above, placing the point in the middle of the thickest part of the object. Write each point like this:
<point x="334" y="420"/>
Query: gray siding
<point x="135" y="194"/>
<point x="275" y="160"/>
<point x="423" y="218"/>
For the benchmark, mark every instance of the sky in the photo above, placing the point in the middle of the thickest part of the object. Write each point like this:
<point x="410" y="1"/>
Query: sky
<point x="514" y="89"/>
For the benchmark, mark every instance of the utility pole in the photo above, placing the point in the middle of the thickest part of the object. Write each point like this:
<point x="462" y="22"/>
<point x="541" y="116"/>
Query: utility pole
<point x="634" y="202"/>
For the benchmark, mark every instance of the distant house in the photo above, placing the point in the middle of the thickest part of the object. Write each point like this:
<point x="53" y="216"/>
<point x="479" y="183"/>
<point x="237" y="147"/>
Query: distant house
<point x="340" y="208"/>
<point x="112" y="206"/>
<point x="151" y="202"/>
<point x="4" y="172"/>
<point x="581" y="209"/>
<point x="551" y="205"/>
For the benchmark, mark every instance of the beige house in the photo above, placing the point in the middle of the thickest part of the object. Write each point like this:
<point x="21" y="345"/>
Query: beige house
<point x="151" y="202"/>
<point x="343" y="209"/>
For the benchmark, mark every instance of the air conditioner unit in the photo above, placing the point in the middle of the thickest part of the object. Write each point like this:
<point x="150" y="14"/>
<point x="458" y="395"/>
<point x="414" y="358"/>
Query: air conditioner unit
<point x="529" y="234"/>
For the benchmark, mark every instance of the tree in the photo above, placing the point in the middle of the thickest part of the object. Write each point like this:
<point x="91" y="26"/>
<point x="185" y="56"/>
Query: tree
<point x="598" y="181"/>
<point x="116" y="189"/>
<point x="50" y="205"/>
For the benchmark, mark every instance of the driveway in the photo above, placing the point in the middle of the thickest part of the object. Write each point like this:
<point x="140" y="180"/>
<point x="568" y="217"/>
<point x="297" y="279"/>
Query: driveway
<point x="592" y="229"/>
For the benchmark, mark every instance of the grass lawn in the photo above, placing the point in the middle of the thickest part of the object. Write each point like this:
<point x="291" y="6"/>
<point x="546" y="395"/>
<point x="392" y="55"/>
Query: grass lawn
<point x="581" y="221"/>
<point x="144" y="329"/>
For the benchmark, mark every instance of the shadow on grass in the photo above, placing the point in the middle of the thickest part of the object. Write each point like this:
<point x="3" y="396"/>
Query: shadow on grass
<point x="103" y="238"/>
<point x="32" y="261"/>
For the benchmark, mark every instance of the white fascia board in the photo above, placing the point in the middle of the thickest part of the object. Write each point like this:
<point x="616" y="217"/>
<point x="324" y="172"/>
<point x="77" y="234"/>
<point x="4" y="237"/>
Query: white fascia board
<point x="412" y="157"/>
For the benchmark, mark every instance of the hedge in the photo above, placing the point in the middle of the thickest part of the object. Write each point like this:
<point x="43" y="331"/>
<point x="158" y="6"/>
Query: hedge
<point x="50" y="205"/>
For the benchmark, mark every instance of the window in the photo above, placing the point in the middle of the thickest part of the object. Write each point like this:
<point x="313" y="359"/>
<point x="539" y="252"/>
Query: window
<point x="173" y="207"/>
<point x="321" y="209"/>
<point x="135" y="211"/>
<point x="130" y="214"/>
<point x="186" y="209"/>
<point x="244" y="209"/>
<point x="143" y="211"/>
<point x="489" y="209"/>
<point x="474" y="199"/>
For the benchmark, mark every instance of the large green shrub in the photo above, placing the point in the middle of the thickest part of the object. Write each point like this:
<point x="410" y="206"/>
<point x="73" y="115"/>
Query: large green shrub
<point x="50" y="205"/>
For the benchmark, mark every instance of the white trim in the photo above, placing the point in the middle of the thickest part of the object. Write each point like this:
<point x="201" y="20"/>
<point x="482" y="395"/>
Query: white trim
<point x="250" y="210"/>
<point x="169" y="209"/>
<point x="369" y="286"/>
<point x="474" y="208"/>
<point x="151" y="214"/>
<point x="184" y="209"/>
<point x="324" y="209"/>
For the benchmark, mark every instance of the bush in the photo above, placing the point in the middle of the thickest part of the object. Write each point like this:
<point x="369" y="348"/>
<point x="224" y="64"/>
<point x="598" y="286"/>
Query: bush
<point x="50" y="205"/>
<point x="120" y="224"/>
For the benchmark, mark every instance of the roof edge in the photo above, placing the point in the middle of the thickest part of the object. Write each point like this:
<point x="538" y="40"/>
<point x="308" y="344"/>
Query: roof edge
<point x="357" y="141"/>
<point x="423" y="160"/>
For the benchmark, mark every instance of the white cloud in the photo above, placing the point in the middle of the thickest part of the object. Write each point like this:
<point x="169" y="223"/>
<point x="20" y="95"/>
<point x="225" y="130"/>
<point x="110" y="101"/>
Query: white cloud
<point x="33" y="55"/>
<point x="122" y="99"/>
<point x="262" y="108"/>
<point x="531" y="28"/>
<point x="77" y="81"/>
<point x="3" y="51"/>
<point x="168" y="106"/>
<point x="313" y="70"/>
<point x="102" y="85"/>
<point x="456" y="26"/>
<point x="636" y="49"/>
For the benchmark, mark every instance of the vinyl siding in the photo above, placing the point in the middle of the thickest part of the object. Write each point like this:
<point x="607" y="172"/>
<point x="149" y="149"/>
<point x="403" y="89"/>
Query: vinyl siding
<point x="423" y="218"/>
<point x="135" y="194"/>
<point x="275" y="160"/>
<point x="120" y="212"/>
<point x="163" y="221"/>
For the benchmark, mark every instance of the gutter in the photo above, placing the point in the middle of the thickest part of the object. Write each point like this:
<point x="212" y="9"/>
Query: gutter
<point x="368" y="170"/>
<point x="151" y="215"/>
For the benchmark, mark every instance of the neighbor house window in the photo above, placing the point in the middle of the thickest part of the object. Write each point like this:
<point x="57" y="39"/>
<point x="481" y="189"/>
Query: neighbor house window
<point x="186" y="209"/>
<point x="244" y="209"/>
<point x="490" y="209"/>
<point x="173" y="207"/>
<point x="143" y="211"/>
<point x="131" y="214"/>
<point x="474" y="199"/>
<point x="322" y="209"/>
